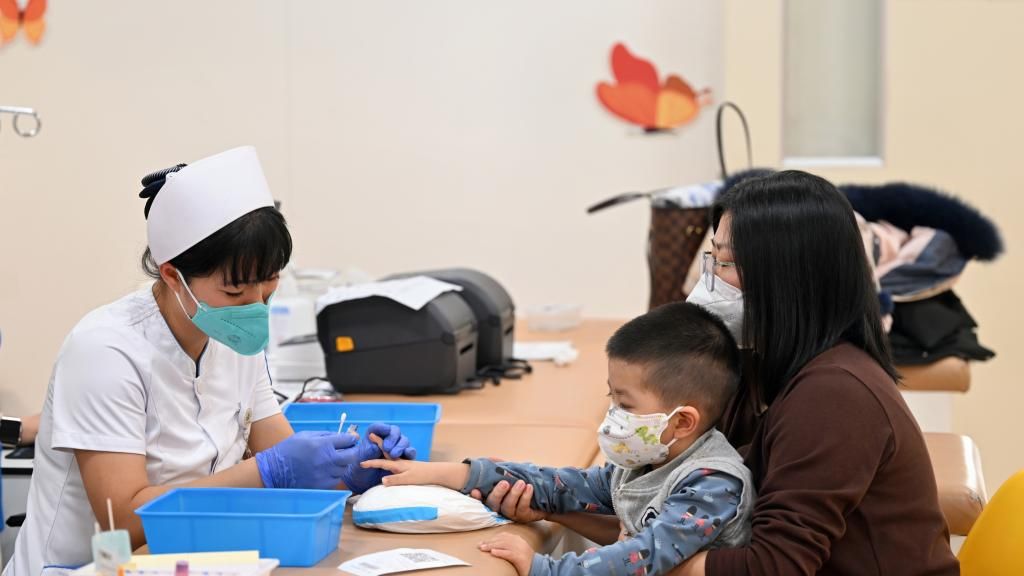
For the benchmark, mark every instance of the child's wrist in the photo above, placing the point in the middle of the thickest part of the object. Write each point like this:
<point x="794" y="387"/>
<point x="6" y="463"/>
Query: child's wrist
<point x="457" y="476"/>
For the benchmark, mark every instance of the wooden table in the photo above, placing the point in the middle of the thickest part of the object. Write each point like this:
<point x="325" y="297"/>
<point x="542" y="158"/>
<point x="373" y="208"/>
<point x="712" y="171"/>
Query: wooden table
<point x="548" y="417"/>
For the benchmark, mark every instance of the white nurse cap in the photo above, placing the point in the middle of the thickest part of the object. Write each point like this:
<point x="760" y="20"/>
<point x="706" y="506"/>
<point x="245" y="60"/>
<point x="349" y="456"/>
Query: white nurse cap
<point x="203" y="197"/>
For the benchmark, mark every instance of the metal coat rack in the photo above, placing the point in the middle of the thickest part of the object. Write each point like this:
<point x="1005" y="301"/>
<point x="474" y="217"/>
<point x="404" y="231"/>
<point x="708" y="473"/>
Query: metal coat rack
<point x="20" y="114"/>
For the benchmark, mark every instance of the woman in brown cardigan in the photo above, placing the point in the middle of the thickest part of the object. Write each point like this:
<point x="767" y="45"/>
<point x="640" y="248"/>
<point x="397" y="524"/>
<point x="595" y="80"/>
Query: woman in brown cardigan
<point x="844" y="481"/>
<point x="845" y="485"/>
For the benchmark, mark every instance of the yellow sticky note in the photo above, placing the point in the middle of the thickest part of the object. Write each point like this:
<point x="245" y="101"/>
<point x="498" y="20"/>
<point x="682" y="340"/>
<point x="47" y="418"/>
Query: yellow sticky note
<point x="198" y="559"/>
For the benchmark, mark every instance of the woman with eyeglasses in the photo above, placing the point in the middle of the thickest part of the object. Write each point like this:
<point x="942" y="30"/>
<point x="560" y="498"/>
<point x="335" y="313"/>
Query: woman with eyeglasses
<point x="845" y="483"/>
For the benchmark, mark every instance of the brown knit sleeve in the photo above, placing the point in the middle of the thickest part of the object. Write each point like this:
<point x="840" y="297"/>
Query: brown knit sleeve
<point x="823" y="444"/>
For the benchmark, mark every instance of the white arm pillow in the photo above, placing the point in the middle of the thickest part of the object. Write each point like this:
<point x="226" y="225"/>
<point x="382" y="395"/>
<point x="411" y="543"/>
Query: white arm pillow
<point x="421" y="510"/>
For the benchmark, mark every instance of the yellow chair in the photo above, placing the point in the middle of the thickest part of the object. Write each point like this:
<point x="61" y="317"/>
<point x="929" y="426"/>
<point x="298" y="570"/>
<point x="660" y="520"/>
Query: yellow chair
<point x="993" y="546"/>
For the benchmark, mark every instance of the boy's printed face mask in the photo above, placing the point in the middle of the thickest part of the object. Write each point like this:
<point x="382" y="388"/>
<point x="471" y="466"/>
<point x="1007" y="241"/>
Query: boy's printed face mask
<point x="633" y="441"/>
<point x="244" y="329"/>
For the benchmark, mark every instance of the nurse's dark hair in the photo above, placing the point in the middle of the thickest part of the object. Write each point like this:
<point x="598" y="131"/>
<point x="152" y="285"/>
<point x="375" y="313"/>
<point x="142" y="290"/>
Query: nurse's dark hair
<point x="688" y="356"/>
<point x="807" y="284"/>
<point x="252" y="248"/>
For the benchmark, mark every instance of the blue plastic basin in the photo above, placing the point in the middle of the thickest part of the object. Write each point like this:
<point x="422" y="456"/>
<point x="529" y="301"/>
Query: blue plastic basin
<point x="298" y="527"/>
<point x="416" y="419"/>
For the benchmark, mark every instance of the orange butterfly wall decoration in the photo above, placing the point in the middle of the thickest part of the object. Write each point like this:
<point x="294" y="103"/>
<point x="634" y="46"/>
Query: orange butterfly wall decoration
<point x="31" y="19"/>
<point x="638" y="97"/>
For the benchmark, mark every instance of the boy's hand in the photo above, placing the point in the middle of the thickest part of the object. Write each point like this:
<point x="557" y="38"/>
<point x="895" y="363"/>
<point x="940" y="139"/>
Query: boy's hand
<point x="511" y="548"/>
<point x="411" y="472"/>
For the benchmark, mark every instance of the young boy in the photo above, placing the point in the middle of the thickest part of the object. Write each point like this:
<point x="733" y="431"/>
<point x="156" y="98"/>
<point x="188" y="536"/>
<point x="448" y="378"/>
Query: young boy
<point x="674" y="482"/>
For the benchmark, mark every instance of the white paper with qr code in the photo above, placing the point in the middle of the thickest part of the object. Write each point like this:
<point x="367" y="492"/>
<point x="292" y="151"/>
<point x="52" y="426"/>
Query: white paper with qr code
<point x="399" y="560"/>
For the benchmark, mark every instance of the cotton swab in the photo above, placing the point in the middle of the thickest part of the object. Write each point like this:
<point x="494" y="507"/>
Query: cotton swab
<point x="344" y="416"/>
<point x="110" y="513"/>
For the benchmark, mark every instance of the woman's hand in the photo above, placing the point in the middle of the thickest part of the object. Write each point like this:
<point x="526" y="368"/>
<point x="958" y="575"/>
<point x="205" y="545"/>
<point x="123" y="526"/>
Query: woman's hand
<point x="511" y="548"/>
<point x="512" y="501"/>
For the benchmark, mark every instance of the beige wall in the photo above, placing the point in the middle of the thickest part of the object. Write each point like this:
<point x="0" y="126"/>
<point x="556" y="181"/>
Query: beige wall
<point x="954" y="121"/>
<point x="399" y="135"/>
<point x="430" y="134"/>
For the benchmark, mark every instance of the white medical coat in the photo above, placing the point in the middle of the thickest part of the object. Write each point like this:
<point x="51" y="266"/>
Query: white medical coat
<point x="122" y="383"/>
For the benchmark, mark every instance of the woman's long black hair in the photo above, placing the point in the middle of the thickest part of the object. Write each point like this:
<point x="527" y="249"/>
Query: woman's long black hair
<point x="807" y="285"/>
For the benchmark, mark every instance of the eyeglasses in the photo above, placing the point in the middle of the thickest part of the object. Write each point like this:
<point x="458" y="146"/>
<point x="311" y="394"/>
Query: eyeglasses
<point x="708" y="265"/>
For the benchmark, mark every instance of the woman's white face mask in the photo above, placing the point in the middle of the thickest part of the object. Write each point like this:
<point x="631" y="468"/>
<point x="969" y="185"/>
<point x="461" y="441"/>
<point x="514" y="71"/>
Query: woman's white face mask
<point x="726" y="302"/>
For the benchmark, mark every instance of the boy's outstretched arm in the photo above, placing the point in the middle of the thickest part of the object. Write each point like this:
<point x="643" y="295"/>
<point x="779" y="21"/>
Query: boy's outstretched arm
<point x="555" y="490"/>
<point x="691" y="519"/>
<point x="411" y="472"/>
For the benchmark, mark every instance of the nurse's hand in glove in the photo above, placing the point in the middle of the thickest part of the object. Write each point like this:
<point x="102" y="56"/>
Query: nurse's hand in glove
<point x="308" y="460"/>
<point x="393" y="445"/>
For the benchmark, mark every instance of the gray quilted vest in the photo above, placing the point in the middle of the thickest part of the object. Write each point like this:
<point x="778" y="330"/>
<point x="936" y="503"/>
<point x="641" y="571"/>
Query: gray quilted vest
<point x="638" y="496"/>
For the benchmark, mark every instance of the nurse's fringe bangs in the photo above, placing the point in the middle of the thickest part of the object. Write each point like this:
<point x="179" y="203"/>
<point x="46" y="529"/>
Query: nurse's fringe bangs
<point x="251" y="249"/>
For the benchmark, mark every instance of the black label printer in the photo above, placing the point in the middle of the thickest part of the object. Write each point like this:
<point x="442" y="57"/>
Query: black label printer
<point x="376" y="345"/>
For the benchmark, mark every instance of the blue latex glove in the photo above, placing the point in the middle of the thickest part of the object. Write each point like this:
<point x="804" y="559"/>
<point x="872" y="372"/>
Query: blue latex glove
<point x="359" y="479"/>
<point x="308" y="460"/>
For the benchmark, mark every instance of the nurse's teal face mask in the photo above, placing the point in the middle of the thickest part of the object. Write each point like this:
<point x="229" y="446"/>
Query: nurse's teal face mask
<point x="244" y="329"/>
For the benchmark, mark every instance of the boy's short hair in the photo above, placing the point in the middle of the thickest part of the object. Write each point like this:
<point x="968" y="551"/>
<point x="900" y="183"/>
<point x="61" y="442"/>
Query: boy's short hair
<point x="689" y="356"/>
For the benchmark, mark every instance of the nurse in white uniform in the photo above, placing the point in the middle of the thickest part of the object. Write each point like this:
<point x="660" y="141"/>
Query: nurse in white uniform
<point x="168" y="386"/>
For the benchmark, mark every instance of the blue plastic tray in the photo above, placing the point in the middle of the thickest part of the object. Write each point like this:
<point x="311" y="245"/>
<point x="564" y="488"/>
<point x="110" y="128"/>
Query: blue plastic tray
<point x="416" y="419"/>
<point x="298" y="527"/>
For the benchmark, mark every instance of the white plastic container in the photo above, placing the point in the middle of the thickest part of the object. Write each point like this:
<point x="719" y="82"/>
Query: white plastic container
<point x="553" y="317"/>
<point x="293" y="318"/>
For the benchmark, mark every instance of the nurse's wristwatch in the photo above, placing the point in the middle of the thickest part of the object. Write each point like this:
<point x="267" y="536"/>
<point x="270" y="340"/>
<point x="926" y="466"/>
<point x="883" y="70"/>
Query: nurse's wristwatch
<point x="10" y="431"/>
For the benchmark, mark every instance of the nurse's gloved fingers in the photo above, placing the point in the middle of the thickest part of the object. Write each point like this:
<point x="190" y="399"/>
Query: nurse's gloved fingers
<point x="342" y="450"/>
<point x="409" y="454"/>
<point x="391" y="437"/>
<point x="383" y="430"/>
<point x="342" y="441"/>
<point x="397" y="448"/>
<point x="343" y="458"/>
